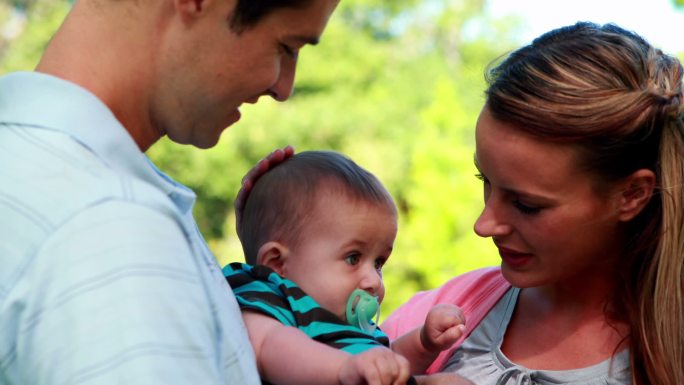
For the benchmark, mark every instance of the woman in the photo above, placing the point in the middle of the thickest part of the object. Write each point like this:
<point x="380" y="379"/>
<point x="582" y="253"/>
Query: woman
<point x="579" y="146"/>
<point x="580" y="149"/>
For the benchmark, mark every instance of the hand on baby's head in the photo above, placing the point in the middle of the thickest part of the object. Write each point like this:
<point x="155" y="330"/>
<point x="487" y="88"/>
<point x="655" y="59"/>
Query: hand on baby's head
<point x="444" y="325"/>
<point x="271" y="160"/>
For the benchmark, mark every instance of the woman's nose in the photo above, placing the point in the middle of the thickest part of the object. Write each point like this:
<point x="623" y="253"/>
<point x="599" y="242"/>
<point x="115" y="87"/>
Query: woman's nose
<point x="491" y="222"/>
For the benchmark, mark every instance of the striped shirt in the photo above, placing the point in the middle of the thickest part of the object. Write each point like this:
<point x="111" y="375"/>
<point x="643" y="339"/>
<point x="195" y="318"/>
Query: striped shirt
<point x="104" y="277"/>
<point x="260" y="289"/>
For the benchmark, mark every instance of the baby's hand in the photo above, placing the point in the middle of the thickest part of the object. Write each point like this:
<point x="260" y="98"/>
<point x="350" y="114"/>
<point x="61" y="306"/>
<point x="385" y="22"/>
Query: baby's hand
<point x="444" y="325"/>
<point x="377" y="366"/>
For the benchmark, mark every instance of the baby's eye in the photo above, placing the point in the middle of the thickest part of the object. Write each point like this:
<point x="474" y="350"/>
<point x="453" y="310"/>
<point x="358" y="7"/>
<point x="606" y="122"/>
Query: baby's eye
<point x="379" y="263"/>
<point x="352" y="259"/>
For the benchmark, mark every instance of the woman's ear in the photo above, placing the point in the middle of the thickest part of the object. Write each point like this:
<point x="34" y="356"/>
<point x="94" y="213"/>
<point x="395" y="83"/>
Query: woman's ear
<point x="636" y="193"/>
<point x="273" y="254"/>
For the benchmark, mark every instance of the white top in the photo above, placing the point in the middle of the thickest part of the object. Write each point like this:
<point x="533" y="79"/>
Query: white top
<point x="104" y="277"/>
<point x="481" y="360"/>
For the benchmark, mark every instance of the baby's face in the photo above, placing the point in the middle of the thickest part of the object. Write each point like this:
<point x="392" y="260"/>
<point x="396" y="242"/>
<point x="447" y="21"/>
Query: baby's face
<point x="342" y="248"/>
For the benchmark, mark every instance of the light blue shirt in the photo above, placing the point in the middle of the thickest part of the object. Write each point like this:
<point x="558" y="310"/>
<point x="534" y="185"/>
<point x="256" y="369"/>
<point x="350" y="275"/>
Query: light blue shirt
<point x="104" y="277"/>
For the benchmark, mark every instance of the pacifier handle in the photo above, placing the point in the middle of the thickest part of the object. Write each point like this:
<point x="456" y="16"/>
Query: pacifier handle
<point x="361" y="308"/>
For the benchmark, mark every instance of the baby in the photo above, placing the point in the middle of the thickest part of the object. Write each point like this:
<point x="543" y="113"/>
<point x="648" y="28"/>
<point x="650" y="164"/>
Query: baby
<point x="316" y="231"/>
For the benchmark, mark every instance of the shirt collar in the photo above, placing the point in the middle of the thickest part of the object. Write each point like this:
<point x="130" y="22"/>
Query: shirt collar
<point x="41" y="100"/>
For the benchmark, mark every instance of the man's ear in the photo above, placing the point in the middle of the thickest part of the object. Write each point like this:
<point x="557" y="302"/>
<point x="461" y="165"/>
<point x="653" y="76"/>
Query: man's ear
<point x="274" y="255"/>
<point x="190" y="9"/>
<point x="637" y="191"/>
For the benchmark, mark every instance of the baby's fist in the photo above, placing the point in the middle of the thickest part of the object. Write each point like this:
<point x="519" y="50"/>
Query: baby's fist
<point x="444" y="325"/>
<point x="377" y="366"/>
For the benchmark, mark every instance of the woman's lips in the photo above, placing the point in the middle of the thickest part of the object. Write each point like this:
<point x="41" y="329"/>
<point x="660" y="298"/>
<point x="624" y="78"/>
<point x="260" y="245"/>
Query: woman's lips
<point x="514" y="258"/>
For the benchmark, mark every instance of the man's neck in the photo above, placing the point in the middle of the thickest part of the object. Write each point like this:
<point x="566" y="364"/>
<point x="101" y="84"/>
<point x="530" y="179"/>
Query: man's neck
<point x="95" y="48"/>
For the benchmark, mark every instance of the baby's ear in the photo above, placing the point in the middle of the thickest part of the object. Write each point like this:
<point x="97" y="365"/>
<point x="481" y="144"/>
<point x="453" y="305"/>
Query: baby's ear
<point x="273" y="254"/>
<point x="636" y="193"/>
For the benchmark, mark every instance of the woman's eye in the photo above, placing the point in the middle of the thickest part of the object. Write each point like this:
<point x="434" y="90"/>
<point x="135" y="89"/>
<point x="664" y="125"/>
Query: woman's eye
<point x="352" y="259"/>
<point x="526" y="209"/>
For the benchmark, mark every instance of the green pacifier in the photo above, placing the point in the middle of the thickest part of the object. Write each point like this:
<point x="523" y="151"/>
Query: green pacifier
<point x="361" y="308"/>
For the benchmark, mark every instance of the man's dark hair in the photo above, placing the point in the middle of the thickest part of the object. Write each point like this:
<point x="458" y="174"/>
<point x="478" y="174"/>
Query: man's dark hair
<point x="248" y="13"/>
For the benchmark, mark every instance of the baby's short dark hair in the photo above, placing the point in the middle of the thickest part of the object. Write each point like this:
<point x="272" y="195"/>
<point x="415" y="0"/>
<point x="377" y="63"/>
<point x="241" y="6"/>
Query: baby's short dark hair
<point x="282" y="199"/>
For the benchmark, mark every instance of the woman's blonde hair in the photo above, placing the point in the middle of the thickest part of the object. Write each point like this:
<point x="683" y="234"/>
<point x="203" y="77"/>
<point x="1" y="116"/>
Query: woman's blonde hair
<point x="618" y="100"/>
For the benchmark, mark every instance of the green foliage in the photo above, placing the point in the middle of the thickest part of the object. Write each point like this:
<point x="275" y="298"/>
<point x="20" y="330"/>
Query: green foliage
<point x="42" y="18"/>
<point x="402" y="106"/>
<point x="396" y="85"/>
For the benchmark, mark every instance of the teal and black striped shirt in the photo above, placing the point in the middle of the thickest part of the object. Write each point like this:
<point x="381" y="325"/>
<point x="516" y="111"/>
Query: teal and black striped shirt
<point x="260" y="289"/>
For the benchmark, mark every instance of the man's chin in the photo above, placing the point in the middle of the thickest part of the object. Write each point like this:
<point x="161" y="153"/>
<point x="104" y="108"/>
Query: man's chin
<point x="208" y="141"/>
<point x="202" y="142"/>
<point x="234" y="117"/>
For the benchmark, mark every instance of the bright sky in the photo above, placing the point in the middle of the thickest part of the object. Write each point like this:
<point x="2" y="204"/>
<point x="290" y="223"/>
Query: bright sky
<point x="656" y="20"/>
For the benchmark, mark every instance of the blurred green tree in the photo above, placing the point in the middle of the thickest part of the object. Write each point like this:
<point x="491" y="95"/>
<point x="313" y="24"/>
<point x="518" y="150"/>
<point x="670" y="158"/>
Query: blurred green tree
<point x="398" y="94"/>
<point x="25" y="28"/>
<point x="396" y="85"/>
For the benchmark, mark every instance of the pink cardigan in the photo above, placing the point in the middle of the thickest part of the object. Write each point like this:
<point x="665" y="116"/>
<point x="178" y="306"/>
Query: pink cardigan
<point x="475" y="292"/>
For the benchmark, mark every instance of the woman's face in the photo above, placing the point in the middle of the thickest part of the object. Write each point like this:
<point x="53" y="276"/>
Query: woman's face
<point x="544" y="214"/>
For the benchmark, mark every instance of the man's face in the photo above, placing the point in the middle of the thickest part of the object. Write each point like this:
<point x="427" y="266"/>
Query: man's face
<point x="208" y="69"/>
